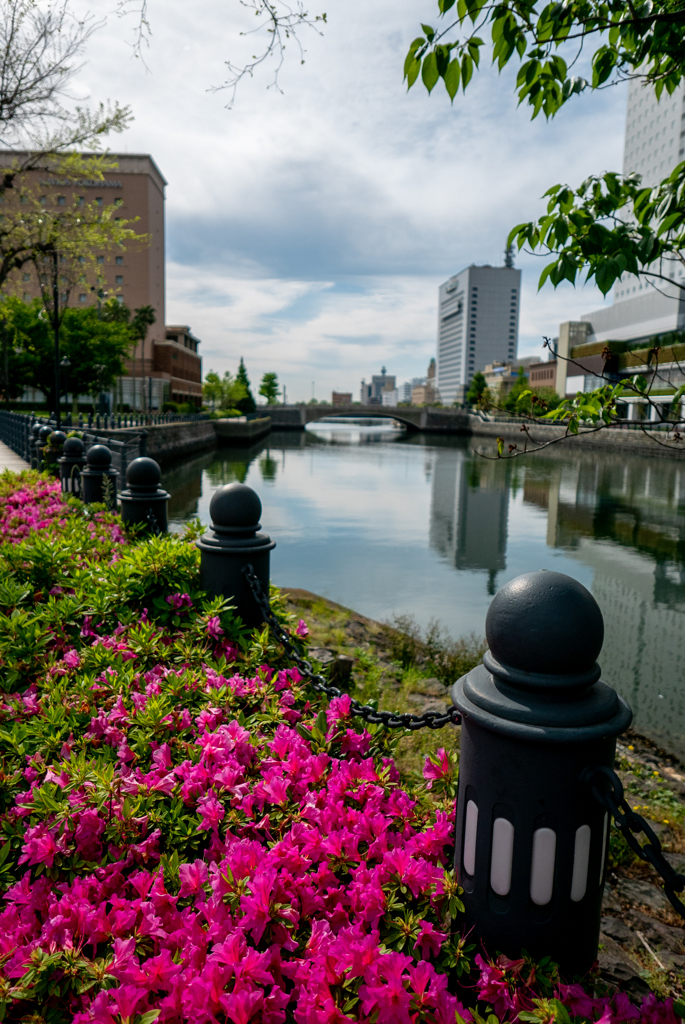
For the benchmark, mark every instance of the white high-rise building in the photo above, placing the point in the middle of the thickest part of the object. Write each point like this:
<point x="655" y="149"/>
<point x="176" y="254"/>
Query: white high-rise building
<point x="654" y="144"/>
<point x="478" y="318"/>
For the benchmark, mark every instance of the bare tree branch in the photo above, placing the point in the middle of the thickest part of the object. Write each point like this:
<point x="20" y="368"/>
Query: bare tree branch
<point x="280" y="22"/>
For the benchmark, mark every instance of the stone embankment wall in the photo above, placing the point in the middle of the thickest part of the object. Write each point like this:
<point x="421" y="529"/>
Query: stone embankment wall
<point x="623" y="442"/>
<point x="241" y="432"/>
<point x="168" y="441"/>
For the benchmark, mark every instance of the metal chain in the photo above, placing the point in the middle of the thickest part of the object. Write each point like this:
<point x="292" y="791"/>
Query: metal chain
<point x="151" y="520"/>
<point x="629" y="822"/>
<point x="391" y="719"/>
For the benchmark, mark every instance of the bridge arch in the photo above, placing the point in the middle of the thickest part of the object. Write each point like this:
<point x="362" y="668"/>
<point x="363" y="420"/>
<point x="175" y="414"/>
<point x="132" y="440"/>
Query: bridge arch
<point x="410" y="418"/>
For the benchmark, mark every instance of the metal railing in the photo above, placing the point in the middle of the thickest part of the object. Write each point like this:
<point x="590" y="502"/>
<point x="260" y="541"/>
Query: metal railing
<point x="16" y="431"/>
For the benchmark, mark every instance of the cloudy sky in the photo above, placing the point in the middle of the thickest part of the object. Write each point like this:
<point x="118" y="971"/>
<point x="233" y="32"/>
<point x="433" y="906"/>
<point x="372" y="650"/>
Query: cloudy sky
<point x="308" y="229"/>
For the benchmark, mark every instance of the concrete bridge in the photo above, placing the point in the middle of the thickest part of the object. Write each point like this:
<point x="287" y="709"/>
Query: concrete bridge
<point x="428" y="420"/>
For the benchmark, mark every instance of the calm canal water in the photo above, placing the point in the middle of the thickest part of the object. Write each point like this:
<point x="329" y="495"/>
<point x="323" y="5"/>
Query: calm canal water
<point x="387" y="522"/>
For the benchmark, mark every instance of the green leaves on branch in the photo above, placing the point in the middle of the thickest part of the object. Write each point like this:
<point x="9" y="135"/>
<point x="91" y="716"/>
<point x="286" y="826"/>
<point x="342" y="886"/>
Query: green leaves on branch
<point x="631" y="40"/>
<point x="438" y="62"/>
<point x="611" y="225"/>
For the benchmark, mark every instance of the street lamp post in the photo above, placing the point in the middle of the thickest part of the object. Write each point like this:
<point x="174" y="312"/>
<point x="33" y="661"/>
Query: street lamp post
<point x="65" y="365"/>
<point x="55" y="328"/>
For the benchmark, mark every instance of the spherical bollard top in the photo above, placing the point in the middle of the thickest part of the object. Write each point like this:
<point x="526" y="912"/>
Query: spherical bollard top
<point x="235" y="507"/>
<point x="99" y="457"/>
<point x="44" y="433"/>
<point x="73" y="447"/>
<point x="545" y="623"/>
<point x="57" y="438"/>
<point x="143" y="474"/>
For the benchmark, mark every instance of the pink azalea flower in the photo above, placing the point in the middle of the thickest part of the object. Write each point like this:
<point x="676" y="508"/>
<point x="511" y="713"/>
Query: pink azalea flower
<point x="211" y="811"/>
<point x="436" y="766"/>
<point x="214" y="629"/>
<point x="193" y="877"/>
<point x="302" y="629"/>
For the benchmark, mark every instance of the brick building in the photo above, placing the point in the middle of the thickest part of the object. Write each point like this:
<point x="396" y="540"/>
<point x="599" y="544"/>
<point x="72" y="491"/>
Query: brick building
<point x="167" y="367"/>
<point x="543" y="375"/>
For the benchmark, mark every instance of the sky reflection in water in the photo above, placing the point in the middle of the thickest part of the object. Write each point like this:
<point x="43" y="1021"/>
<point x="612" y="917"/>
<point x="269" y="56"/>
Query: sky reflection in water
<point x="389" y="523"/>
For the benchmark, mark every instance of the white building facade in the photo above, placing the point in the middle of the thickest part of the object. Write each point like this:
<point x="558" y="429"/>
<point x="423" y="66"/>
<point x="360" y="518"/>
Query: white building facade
<point x="654" y="144"/>
<point x="478" y="319"/>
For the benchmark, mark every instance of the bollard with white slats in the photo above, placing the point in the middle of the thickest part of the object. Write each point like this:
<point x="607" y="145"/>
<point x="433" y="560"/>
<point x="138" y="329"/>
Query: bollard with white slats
<point x="531" y="840"/>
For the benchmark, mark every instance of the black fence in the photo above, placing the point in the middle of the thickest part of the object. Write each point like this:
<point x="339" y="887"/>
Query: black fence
<point x="16" y="430"/>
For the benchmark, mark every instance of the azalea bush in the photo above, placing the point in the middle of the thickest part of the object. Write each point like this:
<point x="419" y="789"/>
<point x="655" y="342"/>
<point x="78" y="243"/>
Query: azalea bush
<point x="189" y="833"/>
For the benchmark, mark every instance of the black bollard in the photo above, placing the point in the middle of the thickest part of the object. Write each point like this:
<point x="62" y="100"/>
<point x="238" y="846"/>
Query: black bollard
<point x="143" y="500"/>
<point x="234" y="543"/>
<point x="53" y="453"/>
<point x="98" y="479"/>
<point x="43" y="435"/>
<point x="70" y="466"/>
<point x="531" y="841"/>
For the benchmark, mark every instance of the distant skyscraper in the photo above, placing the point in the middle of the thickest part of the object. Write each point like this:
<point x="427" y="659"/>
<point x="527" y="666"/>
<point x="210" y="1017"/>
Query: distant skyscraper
<point x="371" y="394"/>
<point x="478" y="321"/>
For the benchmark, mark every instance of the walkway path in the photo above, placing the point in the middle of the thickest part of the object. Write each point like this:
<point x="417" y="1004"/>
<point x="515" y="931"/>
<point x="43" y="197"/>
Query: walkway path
<point x="10" y="460"/>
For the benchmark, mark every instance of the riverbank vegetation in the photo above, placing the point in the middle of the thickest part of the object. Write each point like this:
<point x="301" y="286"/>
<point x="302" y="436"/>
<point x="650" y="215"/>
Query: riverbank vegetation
<point x="189" y="833"/>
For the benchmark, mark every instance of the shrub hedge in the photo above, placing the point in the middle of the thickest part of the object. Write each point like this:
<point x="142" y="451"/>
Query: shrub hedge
<point x="188" y="833"/>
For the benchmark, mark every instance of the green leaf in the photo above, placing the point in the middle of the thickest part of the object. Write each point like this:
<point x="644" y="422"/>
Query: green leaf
<point x="429" y="71"/>
<point x="452" y="77"/>
<point x="430" y="32"/>
<point x="149" y="1017"/>
<point x="679" y="1008"/>
<point x="500" y="445"/>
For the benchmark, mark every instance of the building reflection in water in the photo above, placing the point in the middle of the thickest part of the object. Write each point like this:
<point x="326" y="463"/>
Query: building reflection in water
<point x="626" y="521"/>
<point x="469" y="512"/>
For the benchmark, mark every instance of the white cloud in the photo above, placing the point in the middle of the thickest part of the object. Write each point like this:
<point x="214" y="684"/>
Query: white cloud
<point x="309" y="230"/>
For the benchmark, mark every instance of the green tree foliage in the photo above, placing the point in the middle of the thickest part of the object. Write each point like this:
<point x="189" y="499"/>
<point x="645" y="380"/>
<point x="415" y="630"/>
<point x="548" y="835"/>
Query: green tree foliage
<point x="476" y="388"/>
<point x="510" y="400"/>
<point x="609" y="226"/>
<point x="624" y="40"/>
<point x="223" y="392"/>
<point x="246" y="404"/>
<point x="95" y="346"/>
<point x="269" y="388"/>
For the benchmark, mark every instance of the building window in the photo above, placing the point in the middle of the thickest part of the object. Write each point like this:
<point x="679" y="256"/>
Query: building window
<point x="80" y="200"/>
<point x="27" y="296"/>
<point x="118" y="202"/>
<point x="120" y="299"/>
<point x="61" y="200"/>
<point x="98" y="200"/>
<point x="83" y="297"/>
<point x="119" y="260"/>
<point x="101" y="259"/>
<point x="26" y="277"/>
<point x="64" y="298"/>
<point x="120" y="279"/>
<point x="23" y="199"/>
<point x="43" y="200"/>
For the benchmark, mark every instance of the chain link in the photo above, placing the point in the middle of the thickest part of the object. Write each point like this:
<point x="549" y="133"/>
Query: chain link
<point x="151" y="520"/>
<point x="629" y="822"/>
<point x="390" y="719"/>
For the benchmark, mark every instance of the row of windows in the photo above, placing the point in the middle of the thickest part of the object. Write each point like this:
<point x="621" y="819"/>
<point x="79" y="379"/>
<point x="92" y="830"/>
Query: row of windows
<point x="78" y="201"/>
